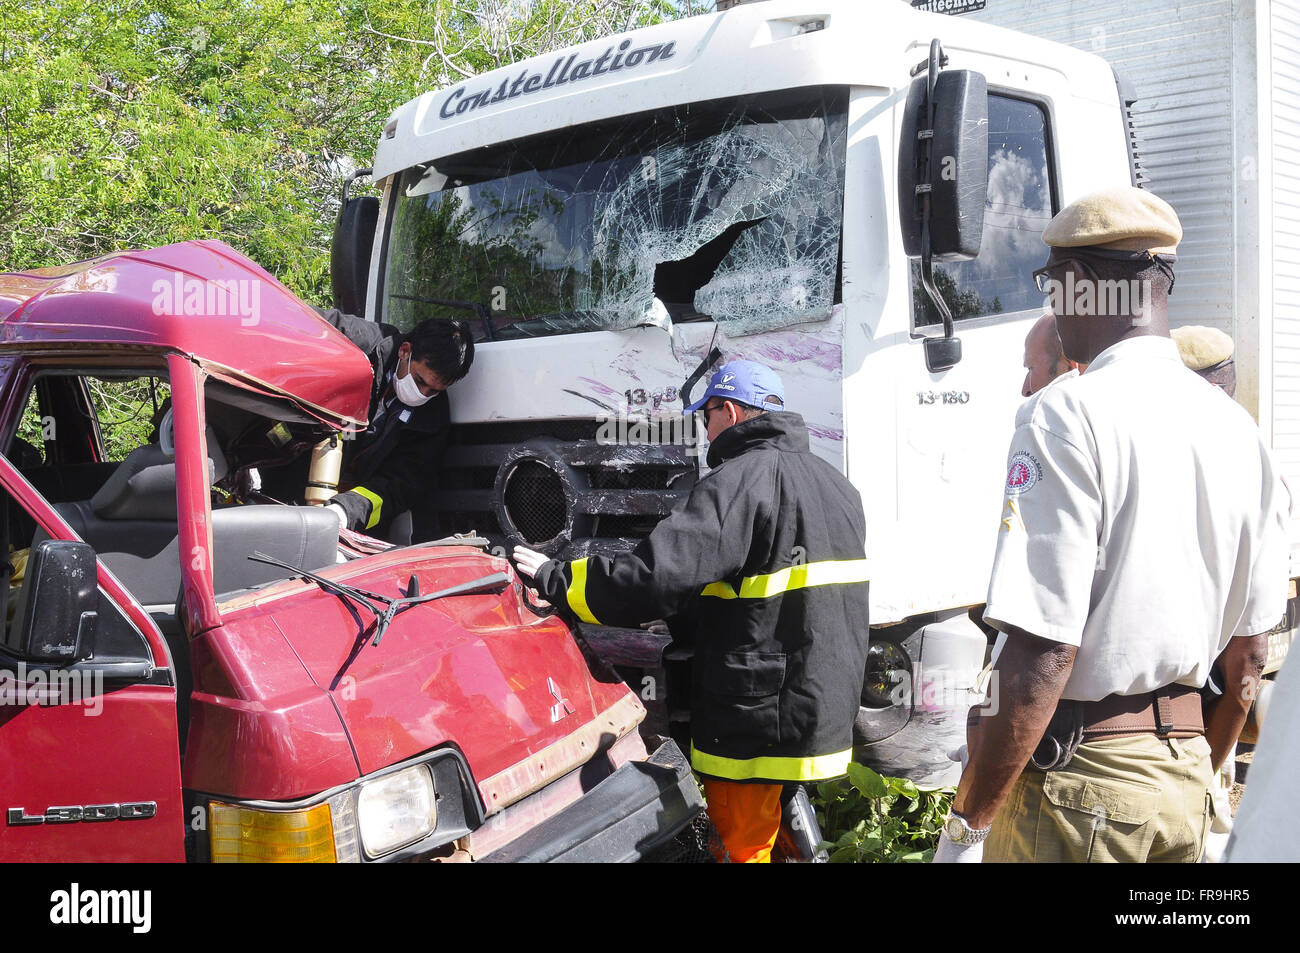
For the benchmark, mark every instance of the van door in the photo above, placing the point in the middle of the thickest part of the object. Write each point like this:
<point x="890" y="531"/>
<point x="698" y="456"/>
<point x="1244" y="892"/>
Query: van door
<point x="90" y="769"/>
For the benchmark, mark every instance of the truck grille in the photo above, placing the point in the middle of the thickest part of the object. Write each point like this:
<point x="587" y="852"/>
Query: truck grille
<point x="553" y="486"/>
<point x="534" y="502"/>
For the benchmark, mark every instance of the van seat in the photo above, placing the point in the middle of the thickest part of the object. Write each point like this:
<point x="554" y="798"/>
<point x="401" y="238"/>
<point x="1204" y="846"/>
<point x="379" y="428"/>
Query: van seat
<point x="131" y="525"/>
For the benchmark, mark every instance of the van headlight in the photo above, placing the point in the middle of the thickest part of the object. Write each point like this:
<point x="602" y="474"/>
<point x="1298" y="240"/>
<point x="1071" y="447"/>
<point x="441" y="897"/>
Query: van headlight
<point x="429" y="802"/>
<point x="396" y="810"/>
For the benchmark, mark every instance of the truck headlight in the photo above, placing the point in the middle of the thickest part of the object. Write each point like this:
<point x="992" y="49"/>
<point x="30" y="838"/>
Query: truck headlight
<point x="396" y="810"/>
<point x="888" y="679"/>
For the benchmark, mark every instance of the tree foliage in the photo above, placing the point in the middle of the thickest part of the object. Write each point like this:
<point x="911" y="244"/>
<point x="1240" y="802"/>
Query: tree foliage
<point x="126" y="124"/>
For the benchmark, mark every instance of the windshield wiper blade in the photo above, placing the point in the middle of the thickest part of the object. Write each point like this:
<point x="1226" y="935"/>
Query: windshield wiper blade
<point x="360" y="596"/>
<point x="497" y="580"/>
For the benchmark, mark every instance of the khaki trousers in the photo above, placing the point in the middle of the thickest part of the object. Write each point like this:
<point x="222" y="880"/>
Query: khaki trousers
<point x="1134" y="800"/>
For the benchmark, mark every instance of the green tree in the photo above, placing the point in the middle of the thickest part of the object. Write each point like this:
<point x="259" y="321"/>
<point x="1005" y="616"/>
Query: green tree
<point x="126" y="124"/>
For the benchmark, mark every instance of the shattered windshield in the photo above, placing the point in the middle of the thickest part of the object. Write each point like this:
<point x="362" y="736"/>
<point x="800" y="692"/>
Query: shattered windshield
<point x="727" y="210"/>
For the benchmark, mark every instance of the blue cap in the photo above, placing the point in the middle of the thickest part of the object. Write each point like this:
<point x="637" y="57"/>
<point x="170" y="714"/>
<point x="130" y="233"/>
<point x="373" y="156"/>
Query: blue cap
<point x="745" y="381"/>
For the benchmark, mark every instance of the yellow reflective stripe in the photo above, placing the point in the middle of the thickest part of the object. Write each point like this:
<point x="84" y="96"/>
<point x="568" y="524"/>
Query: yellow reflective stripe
<point x="816" y="768"/>
<point x="827" y="572"/>
<point x="577" y="594"/>
<point x="376" y="504"/>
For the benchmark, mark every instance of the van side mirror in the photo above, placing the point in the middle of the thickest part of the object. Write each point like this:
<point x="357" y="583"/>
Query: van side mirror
<point x="354" y="237"/>
<point x="952" y="168"/>
<point x="57" y="616"/>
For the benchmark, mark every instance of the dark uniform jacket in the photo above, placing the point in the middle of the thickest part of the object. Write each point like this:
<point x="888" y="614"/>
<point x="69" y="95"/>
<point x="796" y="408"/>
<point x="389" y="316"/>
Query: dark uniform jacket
<point x="391" y="467"/>
<point x="766" y="556"/>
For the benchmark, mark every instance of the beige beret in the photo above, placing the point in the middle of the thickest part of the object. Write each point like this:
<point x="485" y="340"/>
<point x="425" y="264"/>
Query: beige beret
<point x="1202" y="347"/>
<point x="1121" y="219"/>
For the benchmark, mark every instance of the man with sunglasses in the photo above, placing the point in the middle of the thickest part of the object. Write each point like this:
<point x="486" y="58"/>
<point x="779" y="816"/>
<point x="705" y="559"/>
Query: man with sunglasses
<point x="387" y="470"/>
<point x="1142" y="538"/>
<point x="765" y="557"/>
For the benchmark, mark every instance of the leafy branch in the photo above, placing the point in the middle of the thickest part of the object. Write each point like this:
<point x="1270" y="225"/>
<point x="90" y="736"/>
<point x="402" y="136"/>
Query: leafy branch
<point x="868" y="818"/>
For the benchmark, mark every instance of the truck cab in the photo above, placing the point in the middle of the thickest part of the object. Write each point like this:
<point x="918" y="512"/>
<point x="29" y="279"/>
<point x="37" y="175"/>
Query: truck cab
<point x="608" y="215"/>
<point x="191" y="670"/>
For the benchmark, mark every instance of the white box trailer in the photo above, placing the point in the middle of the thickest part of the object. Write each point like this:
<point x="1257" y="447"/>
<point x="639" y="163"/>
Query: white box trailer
<point x="1215" y="119"/>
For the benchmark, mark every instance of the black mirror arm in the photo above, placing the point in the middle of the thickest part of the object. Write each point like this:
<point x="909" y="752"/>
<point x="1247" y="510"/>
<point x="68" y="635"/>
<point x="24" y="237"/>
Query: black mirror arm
<point x="343" y="198"/>
<point x="937" y="60"/>
<point x="927" y="282"/>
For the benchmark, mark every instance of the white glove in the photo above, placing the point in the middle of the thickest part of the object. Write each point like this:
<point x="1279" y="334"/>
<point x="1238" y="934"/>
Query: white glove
<point x="340" y="512"/>
<point x="950" y="853"/>
<point x="528" y="561"/>
<point x="959" y="754"/>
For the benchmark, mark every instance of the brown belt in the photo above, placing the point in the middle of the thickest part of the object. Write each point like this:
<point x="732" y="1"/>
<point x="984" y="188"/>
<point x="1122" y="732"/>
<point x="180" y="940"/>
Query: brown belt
<point x="1170" y="712"/>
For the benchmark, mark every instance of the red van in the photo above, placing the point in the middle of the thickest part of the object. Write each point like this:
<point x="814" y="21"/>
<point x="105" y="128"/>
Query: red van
<point x="191" y="670"/>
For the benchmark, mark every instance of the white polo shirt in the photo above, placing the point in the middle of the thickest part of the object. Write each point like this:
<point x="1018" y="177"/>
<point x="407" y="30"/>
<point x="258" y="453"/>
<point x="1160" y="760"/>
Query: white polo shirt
<point x="1143" y="522"/>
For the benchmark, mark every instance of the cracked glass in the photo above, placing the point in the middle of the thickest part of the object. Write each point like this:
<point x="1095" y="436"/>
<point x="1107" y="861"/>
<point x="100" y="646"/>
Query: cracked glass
<point x="728" y="210"/>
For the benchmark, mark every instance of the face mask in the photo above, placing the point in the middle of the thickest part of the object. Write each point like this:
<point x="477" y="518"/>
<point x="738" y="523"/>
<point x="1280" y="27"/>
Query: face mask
<point x="407" y="391"/>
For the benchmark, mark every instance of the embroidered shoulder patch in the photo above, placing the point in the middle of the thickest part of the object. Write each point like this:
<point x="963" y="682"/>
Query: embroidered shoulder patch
<point x="1024" y="473"/>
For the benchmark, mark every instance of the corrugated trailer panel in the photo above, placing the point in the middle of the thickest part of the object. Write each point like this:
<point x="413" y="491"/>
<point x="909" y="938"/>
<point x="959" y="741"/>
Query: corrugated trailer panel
<point x="1284" y="111"/>
<point x="1178" y="56"/>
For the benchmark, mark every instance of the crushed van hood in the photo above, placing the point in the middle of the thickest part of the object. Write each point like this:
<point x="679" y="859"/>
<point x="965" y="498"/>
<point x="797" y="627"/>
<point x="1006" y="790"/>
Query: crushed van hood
<point x="510" y="689"/>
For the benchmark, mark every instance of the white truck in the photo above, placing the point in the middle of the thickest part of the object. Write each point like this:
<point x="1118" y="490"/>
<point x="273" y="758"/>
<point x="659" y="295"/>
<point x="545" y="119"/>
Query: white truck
<point x="608" y="215"/>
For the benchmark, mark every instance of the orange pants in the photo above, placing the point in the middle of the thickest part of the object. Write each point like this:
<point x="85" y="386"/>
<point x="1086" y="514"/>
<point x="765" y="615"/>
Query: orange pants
<point x="747" y="817"/>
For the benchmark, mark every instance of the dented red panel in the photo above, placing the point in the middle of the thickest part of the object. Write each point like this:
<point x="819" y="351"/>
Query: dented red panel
<point x="202" y="298"/>
<point x="479" y="671"/>
<point x="282" y="749"/>
<point x="260" y="728"/>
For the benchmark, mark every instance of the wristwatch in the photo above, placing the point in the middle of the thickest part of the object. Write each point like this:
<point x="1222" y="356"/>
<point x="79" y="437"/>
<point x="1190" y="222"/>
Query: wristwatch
<point x="959" y="832"/>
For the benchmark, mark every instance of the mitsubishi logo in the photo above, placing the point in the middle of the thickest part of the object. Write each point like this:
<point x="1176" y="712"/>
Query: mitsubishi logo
<point x="561" y="708"/>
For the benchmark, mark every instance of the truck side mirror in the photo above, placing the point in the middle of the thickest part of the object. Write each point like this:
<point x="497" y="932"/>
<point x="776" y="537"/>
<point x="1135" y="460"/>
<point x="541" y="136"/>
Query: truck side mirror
<point x="57" y="612"/>
<point x="354" y="237"/>
<point x="953" y="171"/>
<point x="943" y="180"/>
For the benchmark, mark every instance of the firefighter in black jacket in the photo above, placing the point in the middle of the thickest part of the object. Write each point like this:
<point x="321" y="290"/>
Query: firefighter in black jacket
<point x="387" y="469"/>
<point x="767" y="554"/>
